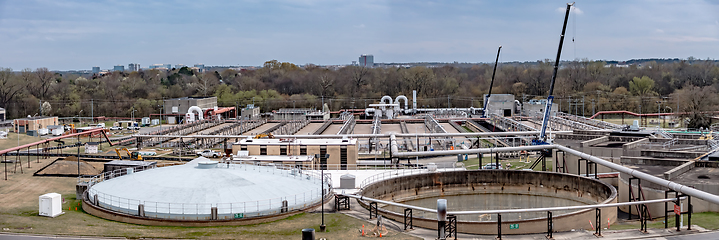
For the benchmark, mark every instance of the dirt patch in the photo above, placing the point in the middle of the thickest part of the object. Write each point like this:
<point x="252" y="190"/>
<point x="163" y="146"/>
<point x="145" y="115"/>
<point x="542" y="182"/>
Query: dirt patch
<point x="68" y="166"/>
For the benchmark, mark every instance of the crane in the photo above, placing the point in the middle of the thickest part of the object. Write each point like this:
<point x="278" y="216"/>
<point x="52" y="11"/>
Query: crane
<point x="550" y="98"/>
<point x="486" y="101"/>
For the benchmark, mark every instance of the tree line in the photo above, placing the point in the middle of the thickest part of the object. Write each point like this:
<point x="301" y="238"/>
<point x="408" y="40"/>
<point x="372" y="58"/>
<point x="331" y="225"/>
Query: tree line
<point x="692" y="84"/>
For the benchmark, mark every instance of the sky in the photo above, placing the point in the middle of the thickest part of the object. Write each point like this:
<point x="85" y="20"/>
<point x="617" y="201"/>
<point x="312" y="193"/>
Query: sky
<point x="77" y="35"/>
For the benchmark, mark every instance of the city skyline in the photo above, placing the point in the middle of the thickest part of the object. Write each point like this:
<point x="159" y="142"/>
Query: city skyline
<point x="76" y="35"/>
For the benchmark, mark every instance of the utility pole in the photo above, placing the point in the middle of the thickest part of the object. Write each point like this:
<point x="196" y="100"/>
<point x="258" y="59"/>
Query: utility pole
<point x="92" y="110"/>
<point x="593" y="109"/>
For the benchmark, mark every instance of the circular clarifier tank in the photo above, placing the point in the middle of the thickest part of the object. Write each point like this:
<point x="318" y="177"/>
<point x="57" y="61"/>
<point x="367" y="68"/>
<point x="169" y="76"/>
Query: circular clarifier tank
<point x="496" y="190"/>
<point x="203" y="191"/>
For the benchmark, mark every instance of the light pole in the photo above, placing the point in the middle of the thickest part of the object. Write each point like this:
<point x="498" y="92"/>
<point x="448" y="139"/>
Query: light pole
<point x="160" y="107"/>
<point x="132" y="114"/>
<point x="79" y="117"/>
<point x="659" y="113"/>
<point x="322" y="188"/>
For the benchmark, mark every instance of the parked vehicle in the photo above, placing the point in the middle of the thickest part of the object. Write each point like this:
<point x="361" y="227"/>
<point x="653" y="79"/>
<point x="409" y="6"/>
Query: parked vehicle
<point x="209" y="154"/>
<point x="492" y="166"/>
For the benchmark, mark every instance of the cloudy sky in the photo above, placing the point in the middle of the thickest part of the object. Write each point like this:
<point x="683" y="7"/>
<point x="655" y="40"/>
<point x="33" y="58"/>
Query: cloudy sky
<point x="64" y="35"/>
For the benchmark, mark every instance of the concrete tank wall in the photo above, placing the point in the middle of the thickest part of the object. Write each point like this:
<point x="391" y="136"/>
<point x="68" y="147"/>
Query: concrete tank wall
<point x="498" y="181"/>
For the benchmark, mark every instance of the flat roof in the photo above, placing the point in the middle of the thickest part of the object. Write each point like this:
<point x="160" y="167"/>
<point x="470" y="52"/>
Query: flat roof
<point x="293" y="141"/>
<point x="130" y="163"/>
<point x="188" y="98"/>
<point x="35" y="118"/>
<point x="272" y="158"/>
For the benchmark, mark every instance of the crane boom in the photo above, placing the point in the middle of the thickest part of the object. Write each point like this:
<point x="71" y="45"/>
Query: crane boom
<point x="486" y="101"/>
<point x="550" y="97"/>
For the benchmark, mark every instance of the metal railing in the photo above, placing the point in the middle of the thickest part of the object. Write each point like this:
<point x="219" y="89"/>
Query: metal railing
<point x="403" y="172"/>
<point x="204" y="211"/>
<point x="348" y="126"/>
<point x="589" y="121"/>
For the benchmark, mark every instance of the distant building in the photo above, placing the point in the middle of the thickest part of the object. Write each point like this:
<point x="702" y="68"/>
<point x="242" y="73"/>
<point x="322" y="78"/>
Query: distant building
<point x="178" y="66"/>
<point x="133" y="67"/>
<point x="166" y="66"/>
<point x="118" y="68"/>
<point x="200" y="67"/>
<point x="95" y="69"/>
<point x="354" y="63"/>
<point x="366" y="60"/>
<point x="23" y="125"/>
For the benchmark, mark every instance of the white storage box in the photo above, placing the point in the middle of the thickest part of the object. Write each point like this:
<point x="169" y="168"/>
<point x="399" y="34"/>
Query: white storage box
<point x="51" y="205"/>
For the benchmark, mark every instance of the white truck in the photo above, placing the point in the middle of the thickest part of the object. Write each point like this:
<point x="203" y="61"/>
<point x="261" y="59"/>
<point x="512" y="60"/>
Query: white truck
<point x="209" y="154"/>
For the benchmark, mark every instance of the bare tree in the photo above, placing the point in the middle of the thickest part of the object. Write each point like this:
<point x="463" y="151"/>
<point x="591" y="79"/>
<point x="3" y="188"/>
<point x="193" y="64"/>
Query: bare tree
<point x="44" y="79"/>
<point x="9" y="86"/>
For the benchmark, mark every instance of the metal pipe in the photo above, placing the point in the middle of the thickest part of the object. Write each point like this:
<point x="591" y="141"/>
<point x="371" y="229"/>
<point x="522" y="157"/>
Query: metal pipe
<point x="501" y="211"/>
<point x="641" y="175"/>
<point x="384" y="135"/>
<point x="470" y="151"/>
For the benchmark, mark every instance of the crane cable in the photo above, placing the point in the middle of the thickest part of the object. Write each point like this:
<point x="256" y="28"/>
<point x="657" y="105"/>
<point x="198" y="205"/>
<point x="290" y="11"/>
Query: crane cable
<point x="574" y="31"/>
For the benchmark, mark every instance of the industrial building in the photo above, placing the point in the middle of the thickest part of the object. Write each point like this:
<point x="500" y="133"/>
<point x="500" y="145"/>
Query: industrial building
<point x="296" y="160"/>
<point x="119" y="68"/>
<point x="300" y="114"/>
<point x="250" y="112"/>
<point x="95" y="69"/>
<point x="342" y="152"/>
<point x="176" y="108"/>
<point x="123" y="164"/>
<point x="502" y="104"/>
<point x="25" y="125"/>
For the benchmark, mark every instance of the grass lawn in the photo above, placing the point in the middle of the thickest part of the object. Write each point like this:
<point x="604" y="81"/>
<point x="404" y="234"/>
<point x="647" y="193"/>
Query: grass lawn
<point x="708" y="220"/>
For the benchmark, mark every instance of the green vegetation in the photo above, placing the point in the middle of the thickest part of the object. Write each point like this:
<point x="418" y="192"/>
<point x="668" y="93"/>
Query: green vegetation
<point x="708" y="220"/>
<point x="692" y="83"/>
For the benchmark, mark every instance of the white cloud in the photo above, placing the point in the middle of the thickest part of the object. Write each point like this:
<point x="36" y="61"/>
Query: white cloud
<point x="659" y="30"/>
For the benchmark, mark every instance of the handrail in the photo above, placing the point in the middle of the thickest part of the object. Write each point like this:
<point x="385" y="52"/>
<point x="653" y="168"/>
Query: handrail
<point x="501" y="211"/>
<point x="166" y="210"/>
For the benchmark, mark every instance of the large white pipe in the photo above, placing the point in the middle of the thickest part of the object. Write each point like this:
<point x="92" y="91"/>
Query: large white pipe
<point x="367" y="111"/>
<point x="478" y="134"/>
<point x="469" y="151"/>
<point x="641" y="175"/>
<point x="401" y="97"/>
<point x="414" y="100"/>
<point x="198" y="110"/>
